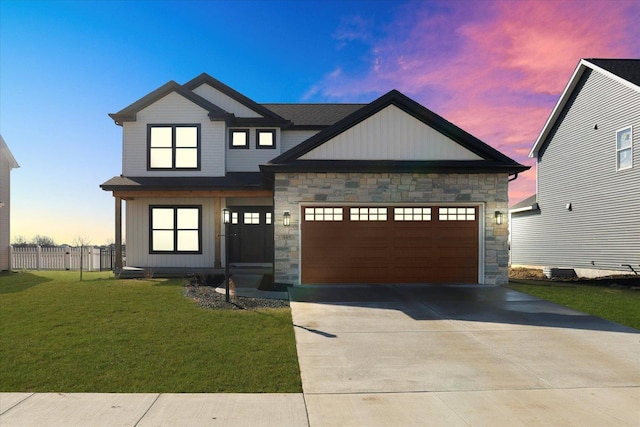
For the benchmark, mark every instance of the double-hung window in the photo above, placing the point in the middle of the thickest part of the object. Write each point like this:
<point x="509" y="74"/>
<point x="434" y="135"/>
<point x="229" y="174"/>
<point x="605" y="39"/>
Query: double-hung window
<point x="175" y="229"/>
<point x="624" y="148"/>
<point x="173" y="147"/>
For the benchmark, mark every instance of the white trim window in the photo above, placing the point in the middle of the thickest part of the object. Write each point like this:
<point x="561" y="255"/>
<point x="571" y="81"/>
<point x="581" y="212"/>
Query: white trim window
<point x="624" y="148"/>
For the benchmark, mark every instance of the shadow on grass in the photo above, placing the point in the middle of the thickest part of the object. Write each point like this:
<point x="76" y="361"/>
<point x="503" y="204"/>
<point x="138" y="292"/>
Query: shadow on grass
<point x="13" y="282"/>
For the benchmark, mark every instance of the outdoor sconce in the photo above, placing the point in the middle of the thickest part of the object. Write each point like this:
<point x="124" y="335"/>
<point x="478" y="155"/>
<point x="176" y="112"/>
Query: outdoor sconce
<point x="499" y="218"/>
<point x="286" y="218"/>
<point x="226" y="216"/>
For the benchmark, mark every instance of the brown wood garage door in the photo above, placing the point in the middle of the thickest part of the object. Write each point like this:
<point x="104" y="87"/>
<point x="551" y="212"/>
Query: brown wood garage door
<point x="400" y="244"/>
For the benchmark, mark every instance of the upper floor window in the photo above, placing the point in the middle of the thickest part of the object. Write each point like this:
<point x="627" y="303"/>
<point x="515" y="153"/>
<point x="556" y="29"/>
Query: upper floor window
<point x="624" y="148"/>
<point x="175" y="229"/>
<point x="173" y="147"/>
<point x="239" y="138"/>
<point x="265" y="138"/>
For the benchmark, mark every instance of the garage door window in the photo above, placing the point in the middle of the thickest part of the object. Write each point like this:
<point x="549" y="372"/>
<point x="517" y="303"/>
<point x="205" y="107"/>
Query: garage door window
<point x="368" y="214"/>
<point x="323" y="214"/>
<point x="412" y="214"/>
<point x="457" y="214"/>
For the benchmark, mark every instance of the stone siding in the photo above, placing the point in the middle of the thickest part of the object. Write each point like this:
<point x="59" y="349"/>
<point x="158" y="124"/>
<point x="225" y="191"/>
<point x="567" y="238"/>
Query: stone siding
<point x="291" y="190"/>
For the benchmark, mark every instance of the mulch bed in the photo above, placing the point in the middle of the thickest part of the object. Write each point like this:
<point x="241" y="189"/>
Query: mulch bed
<point x="207" y="297"/>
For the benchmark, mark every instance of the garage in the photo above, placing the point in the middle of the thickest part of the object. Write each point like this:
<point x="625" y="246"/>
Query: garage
<point x="390" y="244"/>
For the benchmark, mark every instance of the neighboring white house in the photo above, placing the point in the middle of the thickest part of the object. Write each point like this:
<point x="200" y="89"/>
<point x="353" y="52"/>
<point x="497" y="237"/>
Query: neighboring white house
<point x="7" y="162"/>
<point x="586" y="214"/>
<point x="386" y="192"/>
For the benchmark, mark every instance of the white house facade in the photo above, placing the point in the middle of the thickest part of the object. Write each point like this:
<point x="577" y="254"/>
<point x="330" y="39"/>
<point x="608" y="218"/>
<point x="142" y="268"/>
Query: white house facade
<point x="7" y="163"/>
<point x="386" y="192"/>
<point x="585" y="214"/>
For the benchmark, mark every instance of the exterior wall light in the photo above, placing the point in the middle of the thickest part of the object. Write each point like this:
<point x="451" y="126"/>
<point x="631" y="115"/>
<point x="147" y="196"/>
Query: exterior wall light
<point x="499" y="217"/>
<point x="226" y="215"/>
<point x="286" y="218"/>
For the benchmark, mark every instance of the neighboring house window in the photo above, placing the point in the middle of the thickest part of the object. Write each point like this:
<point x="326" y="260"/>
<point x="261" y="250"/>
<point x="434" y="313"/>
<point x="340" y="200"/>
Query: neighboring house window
<point x="175" y="229"/>
<point x="174" y="147"/>
<point x="265" y="138"/>
<point x="624" y="148"/>
<point x="239" y="138"/>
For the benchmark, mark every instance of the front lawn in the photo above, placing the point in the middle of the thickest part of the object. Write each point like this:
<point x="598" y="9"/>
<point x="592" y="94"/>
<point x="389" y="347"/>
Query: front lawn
<point x="58" y="334"/>
<point x="620" y="305"/>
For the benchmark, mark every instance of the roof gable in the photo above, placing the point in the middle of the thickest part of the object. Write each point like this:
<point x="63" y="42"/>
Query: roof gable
<point x="6" y="153"/>
<point x="129" y="114"/>
<point x="624" y="71"/>
<point x="260" y="111"/>
<point x="485" y="156"/>
<point x="390" y="134"/>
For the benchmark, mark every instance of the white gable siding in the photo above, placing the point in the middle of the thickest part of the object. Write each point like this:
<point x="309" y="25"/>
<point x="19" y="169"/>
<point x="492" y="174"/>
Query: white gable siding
<point x="248" y="160"/>
<point x="578" y="166"/>
<point x="137" y="237"/>
<point x="173" y="109"/>
<point x="228" y="104"/>
<point x="291" y="138"/>
<point x="391" y="134"/>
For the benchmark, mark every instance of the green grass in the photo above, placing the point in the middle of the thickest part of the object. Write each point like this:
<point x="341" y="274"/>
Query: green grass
<point x="58" y="334"/>
<point x="617" y="305"/>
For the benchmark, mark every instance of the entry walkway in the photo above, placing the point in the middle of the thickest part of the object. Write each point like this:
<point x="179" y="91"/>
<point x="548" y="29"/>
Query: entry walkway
<point x="461" y="355"/>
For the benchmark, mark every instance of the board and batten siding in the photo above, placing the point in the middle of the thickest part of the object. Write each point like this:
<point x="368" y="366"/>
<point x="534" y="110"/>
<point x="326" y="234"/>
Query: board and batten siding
<point x="292" y="138"/>
<point x="391" y="134"/>
<point x="578" y="166"/>
<point x="250" y="159"/>
<point x="225" y="102"/>
<point x="137" y="235"/>
<point x="174" y="109"/>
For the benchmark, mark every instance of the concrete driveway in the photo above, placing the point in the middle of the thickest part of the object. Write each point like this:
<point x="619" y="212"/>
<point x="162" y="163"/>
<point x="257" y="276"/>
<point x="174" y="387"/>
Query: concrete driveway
<point x="460" y="355"/>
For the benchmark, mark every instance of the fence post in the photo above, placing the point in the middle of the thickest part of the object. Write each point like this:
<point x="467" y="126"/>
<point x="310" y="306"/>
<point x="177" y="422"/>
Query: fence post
<point x="38" y="257"/>
<point x="67" y="257"/>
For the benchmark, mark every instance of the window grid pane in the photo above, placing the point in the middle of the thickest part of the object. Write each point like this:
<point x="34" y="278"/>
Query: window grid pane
<point x="186" y="136"/>
<point x="323" y="214"/>
<point x="368" y="214"/>
<point x="457" y="214"/>
<point x="252" y="218"/>
<point x="412" y="214"/>
<point x="175" y="229"/>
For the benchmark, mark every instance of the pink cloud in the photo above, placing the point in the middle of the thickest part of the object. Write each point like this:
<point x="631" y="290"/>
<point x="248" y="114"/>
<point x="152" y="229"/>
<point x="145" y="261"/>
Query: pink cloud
<point x="494" y="68"/>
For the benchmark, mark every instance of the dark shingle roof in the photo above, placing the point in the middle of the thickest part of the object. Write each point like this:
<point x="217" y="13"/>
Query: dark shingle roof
<point x="311" y="115"/>
<point x="232" y="181"/>
<point x="528" y="202"/>
<point x="628" y="69"/>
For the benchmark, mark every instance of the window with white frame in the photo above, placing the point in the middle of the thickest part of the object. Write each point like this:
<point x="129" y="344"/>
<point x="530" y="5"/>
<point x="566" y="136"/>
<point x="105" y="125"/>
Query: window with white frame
<point x="173" y="147"/>
<point x="368" y="214"/>
<point x="412" y="214"/>
<point x="265" y="138"/>
<point x="624" y="148"/>
<point x="323" y="214"/>
<point x="457" y="214"/>
<point x="175" y="229"/>
<point x="239" y="138"/>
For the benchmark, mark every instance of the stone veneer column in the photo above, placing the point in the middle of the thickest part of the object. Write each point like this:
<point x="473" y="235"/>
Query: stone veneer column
<point x="293" y="189"/>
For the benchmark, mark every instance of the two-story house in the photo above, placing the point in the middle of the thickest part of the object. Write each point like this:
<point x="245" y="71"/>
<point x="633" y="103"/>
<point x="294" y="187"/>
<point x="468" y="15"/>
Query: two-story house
<point x="386" y="192"/>
<point x="585" y="215"/>
<point x="7" y="162"/>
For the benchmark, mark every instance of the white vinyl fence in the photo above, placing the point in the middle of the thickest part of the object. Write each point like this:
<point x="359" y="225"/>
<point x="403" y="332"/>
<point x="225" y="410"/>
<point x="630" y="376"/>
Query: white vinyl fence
<point x="54" y="258"/>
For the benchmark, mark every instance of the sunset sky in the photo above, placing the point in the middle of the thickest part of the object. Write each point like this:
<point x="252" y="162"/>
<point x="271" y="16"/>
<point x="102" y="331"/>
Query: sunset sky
<point x="494" y="68"/>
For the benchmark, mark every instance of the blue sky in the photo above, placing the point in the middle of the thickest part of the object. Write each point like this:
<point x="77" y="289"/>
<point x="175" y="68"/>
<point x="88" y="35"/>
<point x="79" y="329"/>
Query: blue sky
<point x="495" y="68"/>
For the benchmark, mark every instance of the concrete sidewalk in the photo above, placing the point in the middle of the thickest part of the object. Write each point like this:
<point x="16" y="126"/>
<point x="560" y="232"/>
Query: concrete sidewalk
<point x="150" y="409"/>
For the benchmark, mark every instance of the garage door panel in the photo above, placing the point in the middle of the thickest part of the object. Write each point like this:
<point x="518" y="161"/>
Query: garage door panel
<point x="419" y="248"/>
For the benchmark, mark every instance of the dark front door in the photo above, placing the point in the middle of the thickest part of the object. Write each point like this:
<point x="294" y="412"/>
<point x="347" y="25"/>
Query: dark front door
<point x="251" y="230"/>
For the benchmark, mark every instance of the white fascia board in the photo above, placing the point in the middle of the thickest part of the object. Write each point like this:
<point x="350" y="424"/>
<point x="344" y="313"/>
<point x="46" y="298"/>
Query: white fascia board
<point x="573" y="81"/>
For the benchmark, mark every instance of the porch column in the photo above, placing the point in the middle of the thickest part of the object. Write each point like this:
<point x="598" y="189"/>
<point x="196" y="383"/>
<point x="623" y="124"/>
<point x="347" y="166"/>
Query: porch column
<point x="217" y="231"/>
<point x="118" y="266"/>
